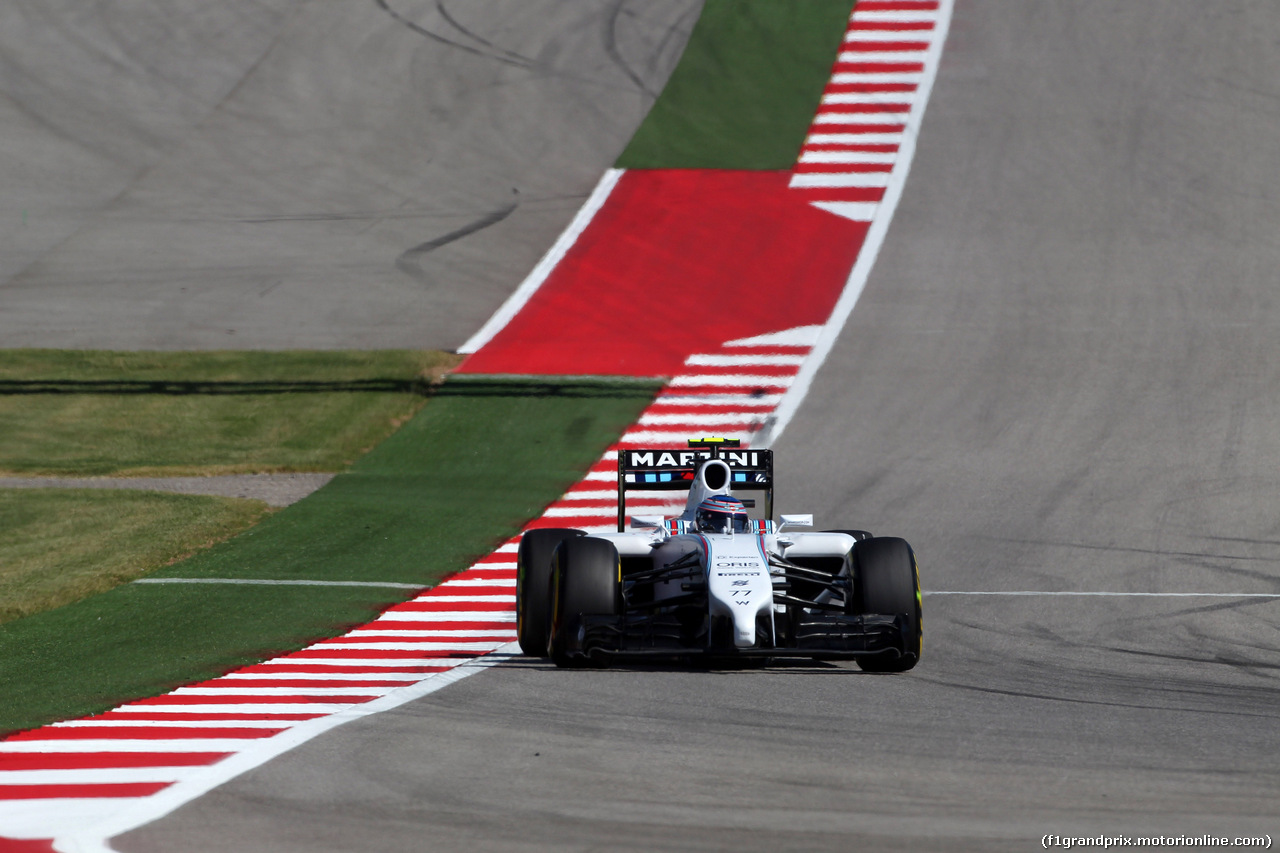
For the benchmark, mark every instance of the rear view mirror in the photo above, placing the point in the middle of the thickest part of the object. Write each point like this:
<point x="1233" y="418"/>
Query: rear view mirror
<point x="805" y="520"/>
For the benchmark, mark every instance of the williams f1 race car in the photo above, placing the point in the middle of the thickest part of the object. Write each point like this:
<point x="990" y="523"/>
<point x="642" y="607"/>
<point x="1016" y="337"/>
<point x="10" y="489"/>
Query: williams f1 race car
<point x="713" y="581"/>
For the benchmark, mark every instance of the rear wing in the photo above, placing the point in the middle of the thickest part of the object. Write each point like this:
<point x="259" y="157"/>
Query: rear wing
<point x="667" y="469"/>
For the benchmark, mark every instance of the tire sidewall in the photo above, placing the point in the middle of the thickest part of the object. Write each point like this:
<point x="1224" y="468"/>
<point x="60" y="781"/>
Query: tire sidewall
<point x="584" y="580"/>
<point x="887" y="581"/>
<point x="533" y="582"/>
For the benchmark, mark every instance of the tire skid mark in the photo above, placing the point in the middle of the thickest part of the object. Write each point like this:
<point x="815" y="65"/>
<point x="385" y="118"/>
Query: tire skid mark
<point x="611" y="47"/>
<point x="408" y="260"/>
<point x="500" y="56"/>
<point x="493" y="48"/>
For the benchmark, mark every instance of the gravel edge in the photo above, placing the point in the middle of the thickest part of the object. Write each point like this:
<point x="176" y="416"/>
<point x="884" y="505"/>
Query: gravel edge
<point x="275" y="489"/>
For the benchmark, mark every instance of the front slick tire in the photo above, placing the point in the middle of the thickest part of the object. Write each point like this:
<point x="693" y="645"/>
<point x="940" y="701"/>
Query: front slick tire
<point x="584" y="581"/>
<point x="533" y="583"/>
<point x="884" y="570"/>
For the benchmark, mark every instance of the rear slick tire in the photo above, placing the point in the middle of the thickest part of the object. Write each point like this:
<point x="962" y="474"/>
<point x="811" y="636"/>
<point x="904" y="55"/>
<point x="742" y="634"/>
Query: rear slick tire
<point x="533" y="583"/>
<point x="585" y="580"/>
<point x="888" y="583"/>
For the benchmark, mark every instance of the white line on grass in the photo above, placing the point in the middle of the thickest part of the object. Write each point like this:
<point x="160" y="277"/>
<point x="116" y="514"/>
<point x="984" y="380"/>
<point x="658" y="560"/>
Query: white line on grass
<point x="1100" y="593"/>
<point x="256" y="582"/>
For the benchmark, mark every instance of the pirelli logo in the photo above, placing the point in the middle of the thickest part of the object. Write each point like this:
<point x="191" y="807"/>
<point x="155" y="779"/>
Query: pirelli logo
<point x="655" y="459"/>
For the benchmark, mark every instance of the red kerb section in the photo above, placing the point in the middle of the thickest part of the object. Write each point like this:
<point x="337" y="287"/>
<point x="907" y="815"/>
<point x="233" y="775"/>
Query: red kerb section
<point x="885" y="46"/>
<point x="675" y="263"/>
<point x="879" y="67"/>
<point x="177" y="717"/>
<point x="26" y="845"/>
<point x="892" y="26"/>
<point x="896" y="6"/>
<point x="152" y="732"/>
<point x="434" y="606"/>
<point x="109" y="789"/>
<point x="101" y="760"/>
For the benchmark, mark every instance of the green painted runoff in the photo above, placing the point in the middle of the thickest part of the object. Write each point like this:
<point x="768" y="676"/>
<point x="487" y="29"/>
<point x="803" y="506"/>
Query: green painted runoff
<point x="746" y="88"/>
<point x="480" y="459"/>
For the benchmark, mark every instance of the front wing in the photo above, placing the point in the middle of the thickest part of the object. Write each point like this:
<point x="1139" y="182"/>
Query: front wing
<point x="821" y="635"/>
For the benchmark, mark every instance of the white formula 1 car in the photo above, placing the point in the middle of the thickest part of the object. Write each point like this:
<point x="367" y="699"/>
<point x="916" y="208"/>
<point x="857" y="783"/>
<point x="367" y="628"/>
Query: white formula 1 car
<point x="713" y="581"/>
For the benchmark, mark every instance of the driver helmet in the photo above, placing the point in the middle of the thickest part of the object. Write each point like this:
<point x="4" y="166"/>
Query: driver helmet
<point x="722" y="514"/>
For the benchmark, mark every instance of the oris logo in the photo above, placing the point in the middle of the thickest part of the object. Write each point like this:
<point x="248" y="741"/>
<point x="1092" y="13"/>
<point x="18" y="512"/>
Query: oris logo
<point x="737" y="564"/>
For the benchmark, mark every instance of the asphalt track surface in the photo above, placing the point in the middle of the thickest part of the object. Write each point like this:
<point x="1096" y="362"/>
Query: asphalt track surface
<point x="278" y="174"/>
<point x="1061" y="377"/>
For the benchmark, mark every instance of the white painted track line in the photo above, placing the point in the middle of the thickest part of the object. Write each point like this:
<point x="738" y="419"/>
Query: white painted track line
<point x="316" y="676"/>
<point x="186" y="724"/>
<point x="854" y="139"/>
<point x="856" y="33"/>
<point x="841" y="117"/>
<point x="549" y="261"/>
<point x="277" y="708"/>
<point x="878" y="77"/>
<point x="256" y="582"/>
<point x="136" y="812"/>
<point x="740" y="419"/>
<point x="411" y="647"/>
<point x="254" y="690"/>
<point x="743" y="360"/>
<point x="748" y="401"/>
<point x="1094" y="594"/>
<point x="881" y="56"/>
<point x="882" y="215"/>
<point x="894" y="17"/>
<point x="442" y="616"/>
<point x="868" y="98"/>
<point x="847" y="156"/>
<point x="869" y="180"/>
<point x="858" y="211"/>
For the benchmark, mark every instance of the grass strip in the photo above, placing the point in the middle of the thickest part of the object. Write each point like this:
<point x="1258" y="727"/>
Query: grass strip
<point x="479" y="460"/>
<point x="61" y="545"/>
<point x="484" y="457"/>
<point x="89" y="413"/>
<point x="746" y="88"/>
